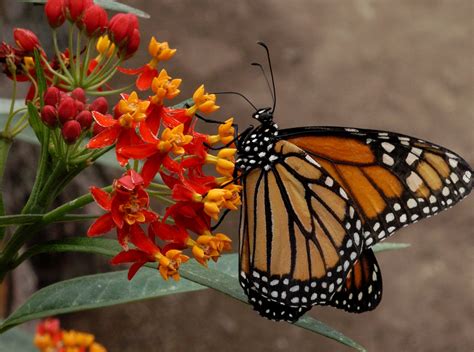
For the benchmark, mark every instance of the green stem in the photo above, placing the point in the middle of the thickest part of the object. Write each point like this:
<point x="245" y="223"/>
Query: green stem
<point x="12" y="105"/>
<point x="78" y="56"/>
<point x="72" y="64"/>
<point x="107" y="77"/>
<point x="85" y="64"/>
<point x="53" y="71"/>
<point x="40" y="173"/>
<point x="109" y="92"/>
<point x="4" y="149"/>
<point x="68" y="207"/>
<point x="60" y="59"/>
<point x="101" y="67"/>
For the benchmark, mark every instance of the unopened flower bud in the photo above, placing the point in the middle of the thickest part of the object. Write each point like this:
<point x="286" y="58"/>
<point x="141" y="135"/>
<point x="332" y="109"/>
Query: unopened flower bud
<point x="49" y="116"/>
<point x="75" y="8"/>
<point x="67" y="109"/>
<point x="121" y="27"/>
<point x="95" y="20"/>
<point x="52" y="96"/>
<point x="71" y="131"/>
<point x="25" y="39"/>
<point x="85" y="119"/>
<point x="100" y="104"/>
<point x="54" y="10"/>
<point x="132" y="44"/>
<point x="79" y="94"/>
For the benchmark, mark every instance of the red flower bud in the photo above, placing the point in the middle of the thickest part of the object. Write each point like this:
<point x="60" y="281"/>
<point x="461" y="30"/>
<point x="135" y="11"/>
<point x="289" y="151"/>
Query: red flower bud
<point x="79" y="94"/>
<point x="85" y="119"/>
<point x="67" y="110"/>
<point x="52" y="96"/>
<point x="75" y="8"/>
<point x="95" y="20"/>
<point x="132" y="44"/>
<point x="54" y="11"/>
<point x="49" y="116"/>
<point x="71" y="131"/>
<point x="121" y="27"/>
<point x="25" y="39"/>
<point x="79" y="105"/>
<point x="100" y="105"/>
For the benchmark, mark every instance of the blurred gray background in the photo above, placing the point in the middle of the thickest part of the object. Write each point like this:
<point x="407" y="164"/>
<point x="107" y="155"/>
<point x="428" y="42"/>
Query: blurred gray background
<point x="404" y="66"/>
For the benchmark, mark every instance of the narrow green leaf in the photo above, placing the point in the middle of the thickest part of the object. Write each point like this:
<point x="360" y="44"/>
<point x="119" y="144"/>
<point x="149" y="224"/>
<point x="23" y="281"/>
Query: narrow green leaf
<point x="311" y="324"/>
<point x="35" y="122"/>
<point x="108" y="5"/>
<point x="40" y="78"/>
<point x="389" y="246"/>
<point x="16" y="340"/>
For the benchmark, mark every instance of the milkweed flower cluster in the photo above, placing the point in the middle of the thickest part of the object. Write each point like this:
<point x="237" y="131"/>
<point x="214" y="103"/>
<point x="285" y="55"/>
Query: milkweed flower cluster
<point x="163" y="155"/>
<point x="163" y="143"/>
<point x="49" y="337"/>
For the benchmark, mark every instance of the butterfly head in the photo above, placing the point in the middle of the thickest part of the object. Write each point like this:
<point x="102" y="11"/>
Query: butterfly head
<point x="264" y="116"/>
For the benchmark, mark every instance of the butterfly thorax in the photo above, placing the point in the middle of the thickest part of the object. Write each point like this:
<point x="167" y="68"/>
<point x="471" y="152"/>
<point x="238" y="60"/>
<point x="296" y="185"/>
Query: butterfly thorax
<point x="256" y="149"/>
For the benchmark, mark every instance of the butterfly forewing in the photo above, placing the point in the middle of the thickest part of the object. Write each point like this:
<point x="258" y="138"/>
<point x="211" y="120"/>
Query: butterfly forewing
<point x="300" y="235"/>
<point x="393" y="180"/>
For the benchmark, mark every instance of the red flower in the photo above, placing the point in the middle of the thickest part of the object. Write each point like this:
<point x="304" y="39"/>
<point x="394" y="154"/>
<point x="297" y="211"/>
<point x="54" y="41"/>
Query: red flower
<point x="95" y="20"/>
<point x="121" y="130"/>
<point x="121" y="27"/>
<point x="25" y="39"/>
<point x="127" y="207"/>
<point x="54" y="10"/>
<point x="76" y="8"/>
<point x="168" y="259"/>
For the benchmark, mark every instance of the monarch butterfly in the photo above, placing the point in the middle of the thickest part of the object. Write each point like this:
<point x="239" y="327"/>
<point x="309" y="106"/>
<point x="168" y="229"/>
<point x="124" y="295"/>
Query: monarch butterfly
<point x="316" y="199"/>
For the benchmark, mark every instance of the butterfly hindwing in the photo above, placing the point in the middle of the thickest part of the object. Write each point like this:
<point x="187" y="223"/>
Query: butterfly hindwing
<point x="393" y="179"/>
<point x="300" y="235"/>
<point x="362" y="290"/>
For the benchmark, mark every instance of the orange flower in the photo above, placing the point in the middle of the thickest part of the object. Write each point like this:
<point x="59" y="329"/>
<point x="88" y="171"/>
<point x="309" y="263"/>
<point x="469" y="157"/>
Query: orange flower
<point x="225" y="133"/>
<point x="146" y="73"/>
<point x="224" y="161"/>
<point x="203" y="101"/>
<point x="170" y="262"/>
<point x="133" y="110"/>
<point x="164" y="87"/>
<point x="219" y="198"/>
<point x="173" y="140"/>
<point x="209" y="247"/>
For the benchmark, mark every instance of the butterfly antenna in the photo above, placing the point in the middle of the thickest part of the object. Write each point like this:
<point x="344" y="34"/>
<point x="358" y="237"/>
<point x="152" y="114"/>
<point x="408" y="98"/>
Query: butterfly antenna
<point x="266" y="78"/>
<point x="240" y="95"/>
<point x="271" y="72"/>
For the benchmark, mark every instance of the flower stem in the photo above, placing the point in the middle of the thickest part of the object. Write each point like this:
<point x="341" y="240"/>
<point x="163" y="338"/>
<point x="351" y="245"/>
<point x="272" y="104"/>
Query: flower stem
<point x="60" y="59"/>
<point x="71" y="53"/>
<point x="12" y="106"/>
<point x="5" y="144"/>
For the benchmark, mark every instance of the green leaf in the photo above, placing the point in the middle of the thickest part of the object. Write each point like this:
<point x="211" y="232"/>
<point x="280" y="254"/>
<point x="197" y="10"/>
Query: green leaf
<point x="389" y="246"/>
<point x="16" y="340"/>
<point x="35" y="121"/>
<point x="95" y="291"/>
<point x="40" y="78"/>
<point x="221" y="276"/>
<point x="61" y="298"/>
<point x="108" y="5"/>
